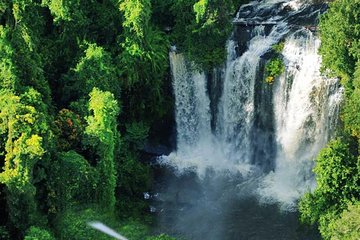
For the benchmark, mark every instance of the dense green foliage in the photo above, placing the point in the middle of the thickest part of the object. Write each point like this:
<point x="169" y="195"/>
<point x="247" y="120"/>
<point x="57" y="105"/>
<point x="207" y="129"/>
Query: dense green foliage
<point x="338" y="179"/>
<point x="25" y="128"/>
<point x="351" y="110"/>
<point x="334" y="203"/>
<point x="69" y="129"/>
<point x="340" y="38"/>
<point x="67" y="68"/>
<point x="278" y="48"/>
<point x="274" y="68"/>
<point x="103" y="135"/>
<point x="347" y="227"/>
<point x="83" y="85"/>
<point x="72" y="224"/>
<point x="94" y="69"/>
<point x="72" y="182"/>
<point x="202" y="28"/>
<point x="35" y="233"/>
<point x="4" y="233"/>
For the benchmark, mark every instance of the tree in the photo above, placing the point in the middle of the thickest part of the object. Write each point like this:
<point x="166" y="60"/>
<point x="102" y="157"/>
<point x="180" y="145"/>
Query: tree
<point x="35" y="233"/>
<point x="102" y="130"/>
<point x="67" y="11"/>
<point x="143" y="62"/>
<point x="202" y="29"/>
<point x="4" y="233"/>
<point x="337" y="170"/>
<point x="144" y="48"/>
<point x="72" y="224"/>
<point x="24" y="123"/>
<point x="137" y="14"/>
<point x="351" y="113"/>
<point x="95" y="69"/>
<point x="338" y="182"/>
<point x="8" y="71"/>
<point x="52" y="54"/>
<point x="213" y="21"/>
<point x="351" y="110"/>
<point x="69" y="130"/>
<point x="347" y="226"/>
<point x="71" y="182"/>
<point x="339" y="38"/>
<point x="23" y="63"/>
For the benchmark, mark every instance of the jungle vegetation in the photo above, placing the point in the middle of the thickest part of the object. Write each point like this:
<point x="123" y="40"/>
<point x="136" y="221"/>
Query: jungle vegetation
<point x="84" y="85"/>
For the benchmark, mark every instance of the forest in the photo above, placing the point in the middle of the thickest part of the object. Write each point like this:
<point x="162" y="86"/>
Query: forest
<point x="85" y="86"/>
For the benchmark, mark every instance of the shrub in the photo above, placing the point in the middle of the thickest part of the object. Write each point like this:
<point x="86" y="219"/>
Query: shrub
<point x="134" y="230"/>
<point x="337" y="177"/>
<point x="35" y="233"/>
<point x="274" y="68"/>
<point x="69" y="129"/>
<point x="73" y="181"/>
<point x="73" y="224"/>
<point x="347" y="227"/>
<point x="278" y="47"/>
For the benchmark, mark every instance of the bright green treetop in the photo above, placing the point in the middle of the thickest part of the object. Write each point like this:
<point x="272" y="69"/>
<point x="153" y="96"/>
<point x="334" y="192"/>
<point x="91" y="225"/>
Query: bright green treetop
<point x="102" y="129"/>
<point x="340" y="34"/>
<point x="347" y="227"/>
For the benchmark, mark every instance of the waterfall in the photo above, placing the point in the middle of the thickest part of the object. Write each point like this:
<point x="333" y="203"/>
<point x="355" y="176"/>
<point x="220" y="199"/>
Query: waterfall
<point x="298" y="113"/>
<point x="192" y="103"/>
<point x="306" y="107"/>
<point x="237" y="103"/>
<point x="197" y="149"/>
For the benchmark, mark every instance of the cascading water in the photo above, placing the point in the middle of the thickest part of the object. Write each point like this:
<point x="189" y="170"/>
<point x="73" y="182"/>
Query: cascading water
<point x="304" y="106"/>
<point x="265" y="135"/>
<point x="191" y="103"/>
<point x="237" y="103"/>
<point x="193" y="120"/>
<point x="242" y="142"/>
<point x="230" y="148"/>
<point x="306" y="110"/>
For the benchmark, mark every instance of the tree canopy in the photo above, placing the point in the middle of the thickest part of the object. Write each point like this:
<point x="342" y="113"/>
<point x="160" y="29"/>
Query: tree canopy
<point x="333" y="204"/>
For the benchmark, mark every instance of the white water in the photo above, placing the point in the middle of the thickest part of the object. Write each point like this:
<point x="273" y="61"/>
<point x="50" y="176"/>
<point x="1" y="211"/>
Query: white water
<point x="237" y="103"/>
<point x="192" y="103"/>
<point x="305" y="107"/>
<point x="197" y="148"/>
